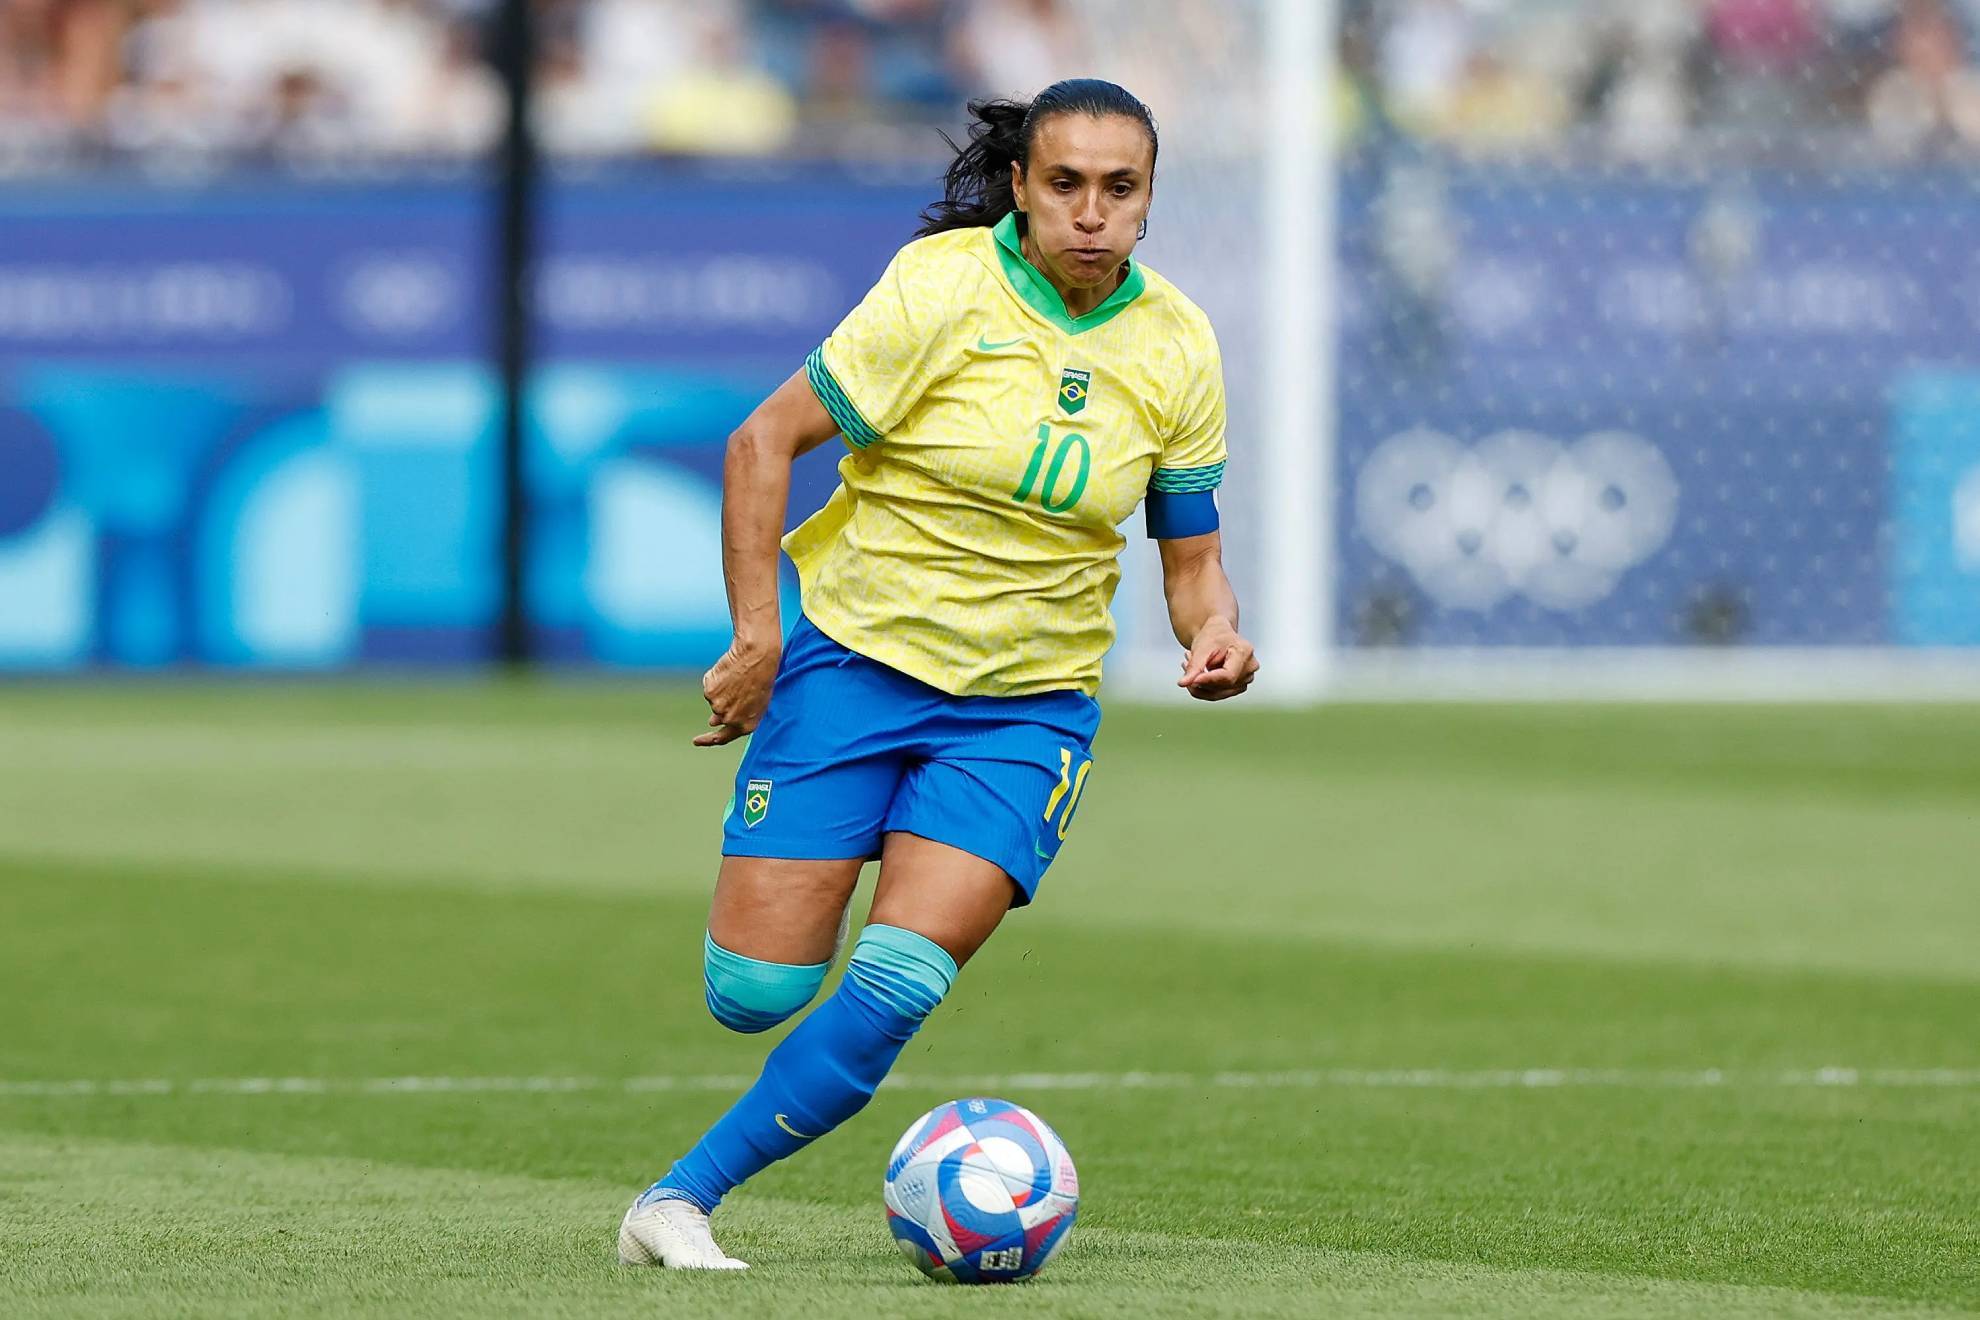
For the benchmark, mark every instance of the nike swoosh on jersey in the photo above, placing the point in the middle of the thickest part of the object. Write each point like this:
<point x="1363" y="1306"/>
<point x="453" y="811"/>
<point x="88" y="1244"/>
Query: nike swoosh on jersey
<point x="1040" y="851"/>
<point x="985" y="346"/>
<point x="785" y="1124"/>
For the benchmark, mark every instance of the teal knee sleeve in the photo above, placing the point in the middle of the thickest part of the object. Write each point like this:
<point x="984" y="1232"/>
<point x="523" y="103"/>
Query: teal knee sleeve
<point x="747" y="994"/>
<point x="908" y="972"/>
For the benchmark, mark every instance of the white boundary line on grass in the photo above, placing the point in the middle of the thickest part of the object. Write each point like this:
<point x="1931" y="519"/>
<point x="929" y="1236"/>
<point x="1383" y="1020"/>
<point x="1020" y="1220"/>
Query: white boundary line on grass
<point x="1439" y="1079"/>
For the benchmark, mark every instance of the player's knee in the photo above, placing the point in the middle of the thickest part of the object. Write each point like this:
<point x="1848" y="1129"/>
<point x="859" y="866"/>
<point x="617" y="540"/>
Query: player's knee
<point x="910" y="973"/>
<point x="750" y="995"/>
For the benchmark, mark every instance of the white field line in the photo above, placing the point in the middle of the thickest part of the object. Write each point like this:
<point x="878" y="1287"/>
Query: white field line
<point x="1442" y="1079"/>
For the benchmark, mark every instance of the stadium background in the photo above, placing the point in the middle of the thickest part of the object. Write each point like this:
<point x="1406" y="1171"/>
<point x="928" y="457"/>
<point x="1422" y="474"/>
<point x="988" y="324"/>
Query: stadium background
<point x="338" y="976"/>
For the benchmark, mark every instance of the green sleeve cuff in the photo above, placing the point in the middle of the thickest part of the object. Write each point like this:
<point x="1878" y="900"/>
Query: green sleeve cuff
<point x="1187" y="481"/>
<point x="858" y="433"/>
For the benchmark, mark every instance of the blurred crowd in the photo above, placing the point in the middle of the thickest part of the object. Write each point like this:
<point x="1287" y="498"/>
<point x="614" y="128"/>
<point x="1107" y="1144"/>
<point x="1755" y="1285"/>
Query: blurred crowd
<point x="1659" y="79"/>
<point x="344" y="79"/>
<point x="330" y="79"/>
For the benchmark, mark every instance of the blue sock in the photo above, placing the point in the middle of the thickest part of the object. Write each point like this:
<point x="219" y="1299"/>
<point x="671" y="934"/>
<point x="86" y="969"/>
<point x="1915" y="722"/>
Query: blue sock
<point x="825" y="1071"/>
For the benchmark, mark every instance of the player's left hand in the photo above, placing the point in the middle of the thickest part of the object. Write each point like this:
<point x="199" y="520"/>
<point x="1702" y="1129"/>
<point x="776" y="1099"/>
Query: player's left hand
<point x="1220" y="663"/>
<point x="737" y="691"/>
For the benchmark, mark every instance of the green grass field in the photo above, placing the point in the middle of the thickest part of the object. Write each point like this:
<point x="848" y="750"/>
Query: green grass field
<point x="1482" y="1011"/>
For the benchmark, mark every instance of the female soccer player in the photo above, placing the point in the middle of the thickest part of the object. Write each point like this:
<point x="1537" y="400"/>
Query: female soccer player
<point x="1010" y="390"/>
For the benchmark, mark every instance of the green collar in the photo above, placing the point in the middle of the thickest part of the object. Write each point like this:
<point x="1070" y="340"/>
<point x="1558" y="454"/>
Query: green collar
<point x="1032" y="286"/>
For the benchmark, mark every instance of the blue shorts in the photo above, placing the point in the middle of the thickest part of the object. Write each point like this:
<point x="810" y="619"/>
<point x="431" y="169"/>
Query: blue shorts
<point x="851" y="750"/>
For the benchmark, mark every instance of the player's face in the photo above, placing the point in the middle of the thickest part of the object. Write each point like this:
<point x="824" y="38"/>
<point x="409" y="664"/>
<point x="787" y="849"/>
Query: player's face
<point x="1085" y="195"/>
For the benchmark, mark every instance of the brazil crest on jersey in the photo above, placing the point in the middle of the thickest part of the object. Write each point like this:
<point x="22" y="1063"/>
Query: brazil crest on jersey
<point x="997" y="446"/>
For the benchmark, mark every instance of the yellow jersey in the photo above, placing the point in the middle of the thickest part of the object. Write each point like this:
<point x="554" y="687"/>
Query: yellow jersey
<point x="997" y="445"/>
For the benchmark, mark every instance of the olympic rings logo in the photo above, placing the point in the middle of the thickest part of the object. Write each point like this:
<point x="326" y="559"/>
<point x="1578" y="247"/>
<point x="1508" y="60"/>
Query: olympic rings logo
<point x="1518" y="513"/>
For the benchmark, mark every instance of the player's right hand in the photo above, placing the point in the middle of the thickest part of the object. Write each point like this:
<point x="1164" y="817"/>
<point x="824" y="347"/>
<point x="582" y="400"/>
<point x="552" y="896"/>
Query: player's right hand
<point x="737" y="691"/>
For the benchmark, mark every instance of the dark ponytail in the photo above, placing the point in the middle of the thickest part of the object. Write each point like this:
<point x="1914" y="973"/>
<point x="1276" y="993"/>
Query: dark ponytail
<point x="976" y="188"/>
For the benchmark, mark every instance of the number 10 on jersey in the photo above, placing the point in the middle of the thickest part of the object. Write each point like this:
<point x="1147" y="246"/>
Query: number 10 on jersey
<point x="1054" y="470"/>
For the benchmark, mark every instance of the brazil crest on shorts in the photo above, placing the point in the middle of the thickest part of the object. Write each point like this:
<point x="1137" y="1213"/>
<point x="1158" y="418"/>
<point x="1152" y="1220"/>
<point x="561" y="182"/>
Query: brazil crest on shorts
<point x="756" y="802"/>
<point x="1073" y="387"/>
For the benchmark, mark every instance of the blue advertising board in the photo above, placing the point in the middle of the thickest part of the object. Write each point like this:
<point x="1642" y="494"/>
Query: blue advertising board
<point x="1670" y="510"/>
<point x="1596" y="410"/>
<point x="251" y="422"/>
<point x="1936" y="501"/>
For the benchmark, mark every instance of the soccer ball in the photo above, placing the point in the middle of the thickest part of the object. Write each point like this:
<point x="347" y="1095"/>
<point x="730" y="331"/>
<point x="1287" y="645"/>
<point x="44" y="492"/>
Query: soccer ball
<point x="980" y="1191"/>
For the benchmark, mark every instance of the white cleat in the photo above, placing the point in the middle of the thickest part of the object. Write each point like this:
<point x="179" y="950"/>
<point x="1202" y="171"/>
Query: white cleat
<point x="673" y="1233"/>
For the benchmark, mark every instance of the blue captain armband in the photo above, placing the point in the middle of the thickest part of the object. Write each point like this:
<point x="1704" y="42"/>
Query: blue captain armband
<point x="1174" y="514"/>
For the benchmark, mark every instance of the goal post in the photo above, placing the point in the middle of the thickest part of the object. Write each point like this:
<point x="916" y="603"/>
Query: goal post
<point x="1295" y="291"/>
<point x="1243" y="223"/>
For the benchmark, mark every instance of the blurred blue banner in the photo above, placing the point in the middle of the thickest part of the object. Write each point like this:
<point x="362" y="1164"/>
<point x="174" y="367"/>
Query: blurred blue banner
<point x="1674" y="509"/>
<point x="1597" y="411"/>
<point x="249" y="423"/>
<point x="1936" y="490"/>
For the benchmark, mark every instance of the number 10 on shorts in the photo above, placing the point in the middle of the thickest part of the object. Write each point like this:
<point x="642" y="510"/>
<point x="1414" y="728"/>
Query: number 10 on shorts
<point x="1067" y="793"/>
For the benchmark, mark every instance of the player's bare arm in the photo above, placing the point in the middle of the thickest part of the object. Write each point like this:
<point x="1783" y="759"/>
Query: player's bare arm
<point x="1203" y="609"/>
<point x="756" y="489"/>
